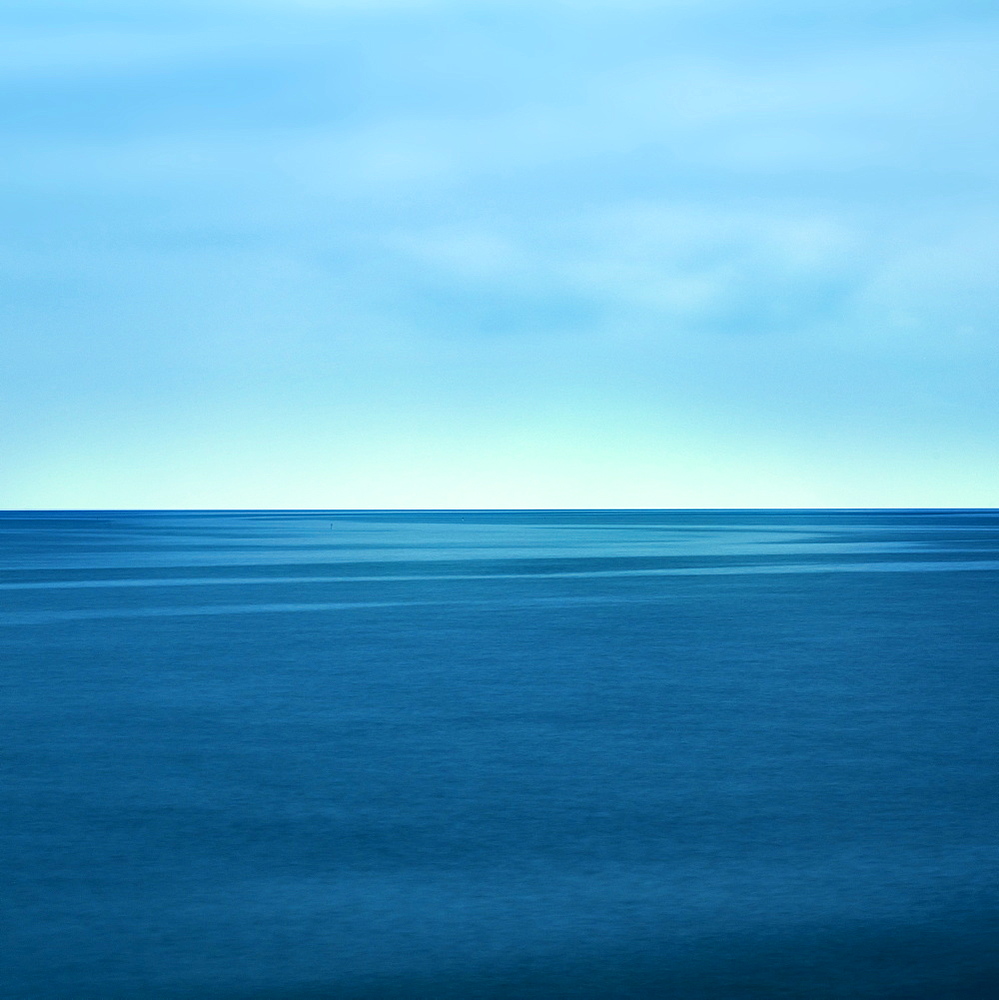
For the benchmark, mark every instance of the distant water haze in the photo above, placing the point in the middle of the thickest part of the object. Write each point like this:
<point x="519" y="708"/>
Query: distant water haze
<point x="593" y="755"/>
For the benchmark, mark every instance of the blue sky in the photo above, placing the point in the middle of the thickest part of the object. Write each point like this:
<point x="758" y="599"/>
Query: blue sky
<point x="326" y="253"/>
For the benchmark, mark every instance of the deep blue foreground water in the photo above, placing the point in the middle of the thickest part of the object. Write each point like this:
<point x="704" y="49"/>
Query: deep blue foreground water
<point x="600" y="755"/>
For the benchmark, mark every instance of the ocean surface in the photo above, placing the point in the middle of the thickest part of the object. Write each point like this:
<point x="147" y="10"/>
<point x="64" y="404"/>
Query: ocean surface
<point x="593" y="754"/>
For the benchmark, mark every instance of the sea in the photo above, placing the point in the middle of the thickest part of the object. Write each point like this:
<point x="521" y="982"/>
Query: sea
<point x="448" y="755"/>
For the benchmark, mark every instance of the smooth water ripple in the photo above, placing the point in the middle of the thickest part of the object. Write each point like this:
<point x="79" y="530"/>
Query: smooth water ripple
<point x="500" y="754"/>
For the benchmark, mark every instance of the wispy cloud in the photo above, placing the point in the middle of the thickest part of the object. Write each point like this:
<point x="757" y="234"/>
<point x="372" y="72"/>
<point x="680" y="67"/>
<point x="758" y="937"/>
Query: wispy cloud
<point x="503" y="196"/>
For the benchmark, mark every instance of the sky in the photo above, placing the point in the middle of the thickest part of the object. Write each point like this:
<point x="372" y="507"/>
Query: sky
<point x="445" y="253"/>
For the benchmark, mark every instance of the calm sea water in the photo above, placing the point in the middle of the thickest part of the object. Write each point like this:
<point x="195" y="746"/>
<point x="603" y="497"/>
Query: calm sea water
<point x="600" y="755"/>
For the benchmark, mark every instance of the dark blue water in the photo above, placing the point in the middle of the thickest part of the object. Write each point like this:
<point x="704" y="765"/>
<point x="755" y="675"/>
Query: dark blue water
<point x="501" y="755"/>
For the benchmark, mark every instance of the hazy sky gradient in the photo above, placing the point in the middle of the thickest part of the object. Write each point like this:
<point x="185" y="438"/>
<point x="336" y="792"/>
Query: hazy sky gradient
<point x="534" y="254"/>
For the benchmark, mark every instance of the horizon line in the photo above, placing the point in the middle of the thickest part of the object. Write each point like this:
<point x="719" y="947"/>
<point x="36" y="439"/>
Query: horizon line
<point x="463" y="510"/>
